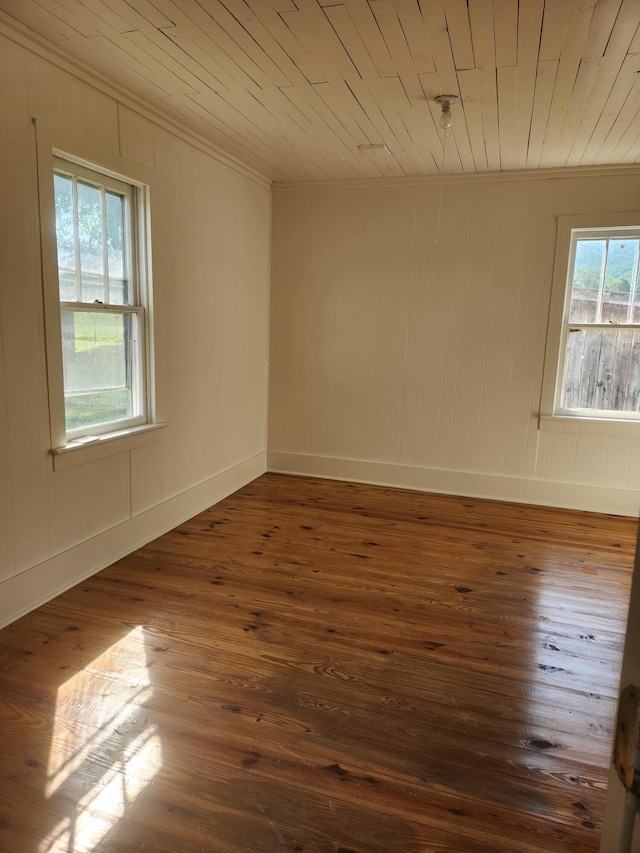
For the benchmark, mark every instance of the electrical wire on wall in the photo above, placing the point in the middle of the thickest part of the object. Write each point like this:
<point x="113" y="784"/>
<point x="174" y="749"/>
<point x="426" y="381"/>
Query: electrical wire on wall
<point x="444" y="153"/>
<point x="446" y="102"/>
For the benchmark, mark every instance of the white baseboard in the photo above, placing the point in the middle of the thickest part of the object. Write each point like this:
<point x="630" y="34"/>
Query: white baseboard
<point x="64" y="570"/>
<point x="517" y="489"/>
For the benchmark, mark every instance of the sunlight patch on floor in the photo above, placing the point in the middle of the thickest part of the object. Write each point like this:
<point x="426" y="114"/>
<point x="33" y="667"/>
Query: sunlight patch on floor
<point x="105" y="750"/>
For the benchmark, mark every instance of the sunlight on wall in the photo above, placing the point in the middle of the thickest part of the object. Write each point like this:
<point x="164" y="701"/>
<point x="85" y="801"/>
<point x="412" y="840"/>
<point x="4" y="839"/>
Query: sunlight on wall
<point x="104" y="749"/>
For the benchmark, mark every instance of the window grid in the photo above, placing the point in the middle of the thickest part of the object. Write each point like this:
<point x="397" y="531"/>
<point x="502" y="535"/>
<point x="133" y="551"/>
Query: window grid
<point x="102" y="340"/>
<point x="600" y="372"/>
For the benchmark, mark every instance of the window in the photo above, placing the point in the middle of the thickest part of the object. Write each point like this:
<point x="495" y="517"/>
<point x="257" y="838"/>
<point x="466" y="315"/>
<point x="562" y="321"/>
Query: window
<point x="601" y="370"/>
<point x="597" y="343"/>
<point x="100" y="292"/>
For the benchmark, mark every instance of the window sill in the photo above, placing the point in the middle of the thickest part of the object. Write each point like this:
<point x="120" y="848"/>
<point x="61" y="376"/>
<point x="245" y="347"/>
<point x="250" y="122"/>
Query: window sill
<point x="590" y="426"/>
<point x="90" y="448"/>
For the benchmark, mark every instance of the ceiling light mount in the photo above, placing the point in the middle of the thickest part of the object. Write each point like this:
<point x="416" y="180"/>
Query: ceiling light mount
<point x="374" y="148"/>
<point x="446" y="102"/>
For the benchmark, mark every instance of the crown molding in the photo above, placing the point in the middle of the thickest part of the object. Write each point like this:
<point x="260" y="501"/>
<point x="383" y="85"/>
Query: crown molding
<point x="27" y="39"/>
<point x="612" y="170"/>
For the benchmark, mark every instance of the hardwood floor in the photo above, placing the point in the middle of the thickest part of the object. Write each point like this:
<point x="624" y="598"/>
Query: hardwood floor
<point x="323" y="667"/>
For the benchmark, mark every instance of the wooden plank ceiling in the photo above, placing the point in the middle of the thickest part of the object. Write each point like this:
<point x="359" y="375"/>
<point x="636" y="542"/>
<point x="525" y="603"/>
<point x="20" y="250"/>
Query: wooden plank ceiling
<point x="294" y="87"/>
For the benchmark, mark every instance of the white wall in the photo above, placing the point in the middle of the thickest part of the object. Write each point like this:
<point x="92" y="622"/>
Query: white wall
<point x="210" y="242"/>
<point x="398" y="358"/>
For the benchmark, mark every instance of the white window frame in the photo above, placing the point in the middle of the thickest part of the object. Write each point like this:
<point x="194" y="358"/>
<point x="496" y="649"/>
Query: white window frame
<point x="136" y="282"/>
<point x="75" y="449"/>
<point x="552" y="416"/>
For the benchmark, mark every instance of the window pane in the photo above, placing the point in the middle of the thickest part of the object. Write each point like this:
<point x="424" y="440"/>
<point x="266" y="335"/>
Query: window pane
<point x="587" y="274"/>
<point x="602" y="370"/>
<point x="100" y="376"/>
<point x="90" y="234"/>
<point x="621" y="265"/>
<point x="119" y="292"/>
<point x="116" y="250"/>
<point x="64" y="237"/>
<point x="92" y="287"/>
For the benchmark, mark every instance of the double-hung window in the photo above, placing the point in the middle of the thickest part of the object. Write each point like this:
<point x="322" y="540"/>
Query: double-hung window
<point x="593" y="356"/>
<point x="102" y="313"/>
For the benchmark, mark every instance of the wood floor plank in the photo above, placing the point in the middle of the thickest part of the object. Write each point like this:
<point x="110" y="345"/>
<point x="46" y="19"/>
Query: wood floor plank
<point x="324" y="667"/>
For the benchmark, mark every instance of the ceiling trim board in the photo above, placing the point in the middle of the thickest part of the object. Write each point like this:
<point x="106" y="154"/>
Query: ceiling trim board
<point x="614" y="170"/>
